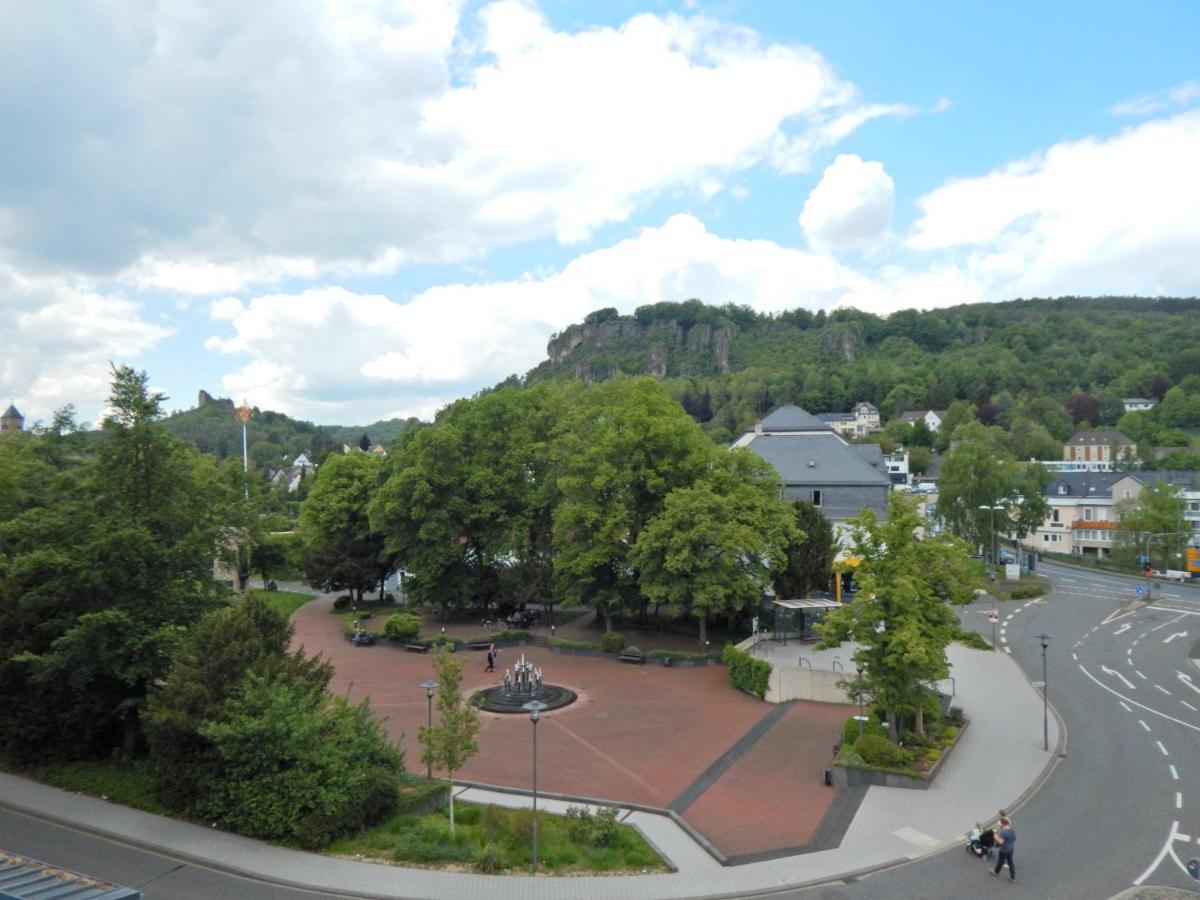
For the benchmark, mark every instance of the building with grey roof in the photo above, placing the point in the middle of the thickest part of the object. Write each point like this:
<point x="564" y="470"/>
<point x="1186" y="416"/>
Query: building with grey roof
<point x="838" y="477"/>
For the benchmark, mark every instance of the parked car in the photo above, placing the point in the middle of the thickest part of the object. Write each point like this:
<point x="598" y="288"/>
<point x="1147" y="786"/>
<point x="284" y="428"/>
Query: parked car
<point x="1004" y="557"/>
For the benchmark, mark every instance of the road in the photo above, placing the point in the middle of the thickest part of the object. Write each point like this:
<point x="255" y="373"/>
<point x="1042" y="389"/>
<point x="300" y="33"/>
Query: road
<point x="1123" y="807"/>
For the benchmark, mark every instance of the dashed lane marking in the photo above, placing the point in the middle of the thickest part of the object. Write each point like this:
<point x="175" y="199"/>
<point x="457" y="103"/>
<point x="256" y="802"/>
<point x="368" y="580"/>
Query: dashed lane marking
<point x="1178" y="800"/>
<point x="1149" y="709"/>
<point x="1142" y="722"/>
<point x="1174" y="774"/>
<point x="1162" y="748"/>
<point x="1126" y="706"/>
<point x="1139" y="674"/>
<point x="1189" y="706"/>
<point x="1165" y="624"/>
<point x="1163" y="689"/>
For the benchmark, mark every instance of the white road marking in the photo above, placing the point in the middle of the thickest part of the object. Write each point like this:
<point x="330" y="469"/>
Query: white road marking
<point x="1175" y="635"/>
<point x="1124" y="680"/>
<point x="1162" y="748"/>
<point x="1174" y="774"/>
<point x="1113" y="616"/>
<point x="1168" y="848"/>
<point x="1003" y="639"/>
<point x="1142" y="635"/>
<point x="1142" y="722"/>
<point x="1138" y="673"/>
<point x="1165" y="624"/>
<point x="1128" y="708"/>
<point x="1189" y="706"/>
<point x="1075" y="656"/>
<point x="1178" y="800"/>
<point x="1187" y="679"/>
<point x="1148" y="709"/>
<point x="1163" y="689"/>
<point x="1008" y="650"/>
<point x="1184" y="612"/>
<point x="1129" y="652"/>
<point x="1124" y="628"/>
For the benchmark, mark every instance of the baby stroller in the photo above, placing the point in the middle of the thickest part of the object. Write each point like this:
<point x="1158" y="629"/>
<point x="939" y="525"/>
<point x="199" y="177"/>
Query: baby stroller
<point x="983" y="846"/>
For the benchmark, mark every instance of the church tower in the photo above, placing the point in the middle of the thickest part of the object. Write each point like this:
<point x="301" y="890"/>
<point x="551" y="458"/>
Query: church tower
<point x="11" y="420"/>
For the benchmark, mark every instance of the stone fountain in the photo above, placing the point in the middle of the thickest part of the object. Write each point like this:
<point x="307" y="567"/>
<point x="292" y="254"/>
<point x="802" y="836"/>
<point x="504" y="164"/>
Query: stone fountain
<point x="523" y="683"/>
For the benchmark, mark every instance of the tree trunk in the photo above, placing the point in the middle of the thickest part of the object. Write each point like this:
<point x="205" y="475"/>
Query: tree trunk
<point x="451" y="776"/>
<point x="129" y="738"/>
<point x="920" y="725"/>
<point x="608" y="621"/>
<point x="891" y="720"/>
<point x="703" y="630"/>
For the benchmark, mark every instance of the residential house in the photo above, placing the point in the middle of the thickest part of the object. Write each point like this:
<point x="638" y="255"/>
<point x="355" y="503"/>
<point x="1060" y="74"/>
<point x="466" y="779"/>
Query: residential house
<point x="1104" y="445"/>
<point x="859" y="422"/>
<point x="933" y="417"/>
<point x="819" y="465"/>
<point x="897" y="466"/>
<point x="292" y="475"/>
<point x="1137" y="404"/>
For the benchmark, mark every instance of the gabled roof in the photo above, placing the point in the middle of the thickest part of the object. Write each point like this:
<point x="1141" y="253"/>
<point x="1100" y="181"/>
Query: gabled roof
<point x="872" y="453"/>
<point x="792" y="418"/>
<point x="1083" y="484"/>
<point x="911" y="415"/>
<point x="1180" y="478"/>
<point x="816" y="459"/>
<point x="11" y="413"/>
<point x="1104" y="436"/>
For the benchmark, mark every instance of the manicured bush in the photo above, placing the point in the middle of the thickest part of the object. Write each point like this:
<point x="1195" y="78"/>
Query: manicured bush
<point x="612" y="642"/>
<point x="683" y="654"/>
<point x="1027" y="591"/>
<point x="572" y="645"/>
<point x="955" y="716"/>
<point x="879" y="751"/>
<point x="510" y="634"/>
<point x="871" y="726"/>
<point x="745" y="672"/>
<point x="598" y="829"/>
<point x="402" y="626"/>
<point x="342" y="602"/>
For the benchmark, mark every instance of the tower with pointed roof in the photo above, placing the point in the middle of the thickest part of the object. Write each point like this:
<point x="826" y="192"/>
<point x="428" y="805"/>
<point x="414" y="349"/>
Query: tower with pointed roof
<point x="11" y="420"/>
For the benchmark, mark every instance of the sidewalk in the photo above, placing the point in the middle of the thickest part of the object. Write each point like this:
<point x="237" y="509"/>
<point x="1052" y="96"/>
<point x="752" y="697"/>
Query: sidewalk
<point x="997" y="760"/>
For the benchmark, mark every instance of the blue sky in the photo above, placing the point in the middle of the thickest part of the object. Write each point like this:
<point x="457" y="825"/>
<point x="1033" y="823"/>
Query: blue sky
<point x="352" y="211"/>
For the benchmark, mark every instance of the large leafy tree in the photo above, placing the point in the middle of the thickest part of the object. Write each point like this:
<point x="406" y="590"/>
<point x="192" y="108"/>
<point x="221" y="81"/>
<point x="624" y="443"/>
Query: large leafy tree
<point x="1153" y="522"/>
<point x="341" y="550"/>
<point x="901" y="617"/>
<point x="715" y="546"/>
<point x="100" y="575"/>
<point x="618" y="453"/>
<point x="809" y="564"/>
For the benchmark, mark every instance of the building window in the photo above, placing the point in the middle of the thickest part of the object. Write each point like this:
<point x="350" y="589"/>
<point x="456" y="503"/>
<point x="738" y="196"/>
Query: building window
<point x="1087" y="514"/>
<point x="1128" y="494"/>
<point x="1054" y="516"/>
<point x="816" y="498"/>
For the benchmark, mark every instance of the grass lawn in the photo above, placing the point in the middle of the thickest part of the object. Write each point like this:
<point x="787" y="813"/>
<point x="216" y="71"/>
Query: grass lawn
<point x="287" y="602"/>
<point x="496" y="840"/>
<point x="127" y="785"/>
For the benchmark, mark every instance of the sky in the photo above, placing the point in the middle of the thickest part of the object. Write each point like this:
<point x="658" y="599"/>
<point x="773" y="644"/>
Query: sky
<point x="349" y="211"/>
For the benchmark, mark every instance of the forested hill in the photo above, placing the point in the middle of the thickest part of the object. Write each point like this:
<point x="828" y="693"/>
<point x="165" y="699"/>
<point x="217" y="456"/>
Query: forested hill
<point x="729" y="365"/>
<point x="273" y="438"/>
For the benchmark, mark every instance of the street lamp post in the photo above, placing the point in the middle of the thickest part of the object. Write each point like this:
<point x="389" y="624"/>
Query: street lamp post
<point x="430" y="687"/>
<point x="861" y="717"/>
<point x="535" y="708"/>
<point x="1045" y="639"/>
<point x="1147" y="565"/>
<point x="992" y="508"/>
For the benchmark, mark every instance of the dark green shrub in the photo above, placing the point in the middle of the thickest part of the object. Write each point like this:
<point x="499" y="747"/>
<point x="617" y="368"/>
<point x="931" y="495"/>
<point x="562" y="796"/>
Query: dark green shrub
<point x="871" y="726"/>
<point x="598" y="829"/>
<point x="612" y="642"/>
<point x="572" y="645"/>
<point x="745" y="672"/>
<point x="879" y="751"/>
<point x="955" y="716"/>
<point x="1027" y="591"/>
<point x="510" y="634"/>
<point x="402" y="626"/>
<point x="342" y="602"/>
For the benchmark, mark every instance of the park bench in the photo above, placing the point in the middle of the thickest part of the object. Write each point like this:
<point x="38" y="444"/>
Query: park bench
<point x="417" y="648"/>
<point x="479" y="645"/>
<point x="632" y="655"/>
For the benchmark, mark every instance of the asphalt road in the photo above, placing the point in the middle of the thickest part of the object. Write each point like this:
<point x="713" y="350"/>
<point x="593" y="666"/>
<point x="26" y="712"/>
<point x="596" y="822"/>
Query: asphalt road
<point x="1123" y="807"/>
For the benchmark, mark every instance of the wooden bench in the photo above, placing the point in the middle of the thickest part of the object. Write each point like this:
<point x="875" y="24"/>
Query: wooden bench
<point x="417" y="648"/>
<point x="478" y="645"/>
<point x="632" y="655"/>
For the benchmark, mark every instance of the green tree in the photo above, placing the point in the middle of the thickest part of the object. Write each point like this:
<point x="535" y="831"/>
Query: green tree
<point x="714" y="546"/>
<point x="341" y="549"/>
<point x="100" y="577"/>
<point x="978" y="473"/>
<point x="449" y="743"/>
<point x="1153" y="522"/>
<point x="809" y="563"/>
<point x="919" y="459"/>
<point x="901" y="618"/>
<point x="621" y="449"/>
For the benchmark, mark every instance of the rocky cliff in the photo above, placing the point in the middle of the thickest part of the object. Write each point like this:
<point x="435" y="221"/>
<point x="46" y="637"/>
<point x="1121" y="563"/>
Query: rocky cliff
<point x="597" y="350"/>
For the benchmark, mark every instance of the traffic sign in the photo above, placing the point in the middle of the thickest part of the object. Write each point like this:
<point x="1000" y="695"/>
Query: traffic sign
<point x="1145" y="559"/>
<point x="993" y="616"/>
<point x="1139" y="591"/>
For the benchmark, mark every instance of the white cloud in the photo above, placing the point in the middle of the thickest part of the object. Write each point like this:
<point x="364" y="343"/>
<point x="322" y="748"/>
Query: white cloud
<point x="851" y="206"/>
<point x="206" y="147"/>
<point x="1160" y="101"/>
<point x="59" y="340"/>
<point x="1120" y="215"/>
<point x="943" y="104"/>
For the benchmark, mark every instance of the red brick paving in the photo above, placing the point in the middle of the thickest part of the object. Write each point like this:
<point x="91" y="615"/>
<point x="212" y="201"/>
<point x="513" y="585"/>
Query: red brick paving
<point x="637" y="734"/>
<point x="775" y="787"/>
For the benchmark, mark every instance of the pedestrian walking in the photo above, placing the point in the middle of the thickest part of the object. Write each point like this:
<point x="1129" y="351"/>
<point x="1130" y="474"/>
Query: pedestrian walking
<point x="1006" y="846"/>
<point x="492" y="651"/>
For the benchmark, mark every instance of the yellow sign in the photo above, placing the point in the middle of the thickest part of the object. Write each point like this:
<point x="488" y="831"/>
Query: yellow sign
<point x="1193" y="559"/>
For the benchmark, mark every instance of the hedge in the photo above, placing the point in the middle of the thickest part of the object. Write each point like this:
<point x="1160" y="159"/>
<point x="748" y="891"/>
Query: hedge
<point x="612" y="642"/>
<point x="572" y="645"/>
<point x="745" y="672"/>
<point x="877" y="750"/>
<point x="871" y="726"/>
<point x="1027" y="591"/>
<point x="402" y="626"/>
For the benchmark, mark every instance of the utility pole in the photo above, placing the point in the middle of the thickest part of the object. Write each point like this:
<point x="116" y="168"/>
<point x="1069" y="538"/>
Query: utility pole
<point x="243" y="414"/>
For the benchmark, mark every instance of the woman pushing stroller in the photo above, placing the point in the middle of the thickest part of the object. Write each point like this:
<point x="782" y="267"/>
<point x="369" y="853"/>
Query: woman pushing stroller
<point x="981" y="841"/>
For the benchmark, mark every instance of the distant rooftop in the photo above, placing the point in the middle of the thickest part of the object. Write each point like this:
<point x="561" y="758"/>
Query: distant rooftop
<point x="792" y="418"/>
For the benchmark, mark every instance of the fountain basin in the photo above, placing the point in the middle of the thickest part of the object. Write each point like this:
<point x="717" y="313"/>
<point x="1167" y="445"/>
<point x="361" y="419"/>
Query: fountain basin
<point x="501" y="700"/>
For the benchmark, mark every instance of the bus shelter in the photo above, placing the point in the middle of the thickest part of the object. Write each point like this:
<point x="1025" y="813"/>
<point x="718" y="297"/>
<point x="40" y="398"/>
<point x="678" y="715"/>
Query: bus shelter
<point x="796" y="618"/>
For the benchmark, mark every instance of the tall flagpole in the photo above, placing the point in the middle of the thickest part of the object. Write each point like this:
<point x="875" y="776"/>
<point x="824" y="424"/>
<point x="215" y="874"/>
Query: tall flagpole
<point x="243" y="413"/>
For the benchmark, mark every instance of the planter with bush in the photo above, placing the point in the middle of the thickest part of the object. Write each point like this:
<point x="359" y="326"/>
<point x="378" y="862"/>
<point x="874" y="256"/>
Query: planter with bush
<point x="745" y="672"/>
<point x="401" y="627"/>
<point x="874" y="759"/>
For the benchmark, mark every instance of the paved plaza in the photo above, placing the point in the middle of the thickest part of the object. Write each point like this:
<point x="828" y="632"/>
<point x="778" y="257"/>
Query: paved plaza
<point x="746" y="775"/>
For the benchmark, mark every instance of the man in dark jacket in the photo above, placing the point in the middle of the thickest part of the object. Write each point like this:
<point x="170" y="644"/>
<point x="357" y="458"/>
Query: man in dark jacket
<point x="1006" y="845"/>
